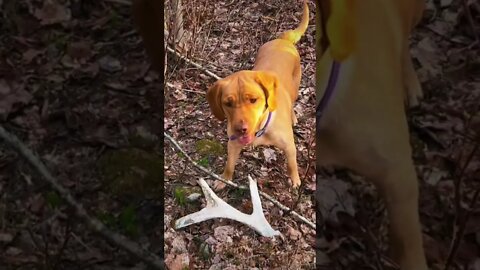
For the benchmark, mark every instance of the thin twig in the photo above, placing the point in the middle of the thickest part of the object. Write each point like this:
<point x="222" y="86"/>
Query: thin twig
<point x="460" y="224"/>
<point x="461" y="230"/>
<point x="149" y="258"/>
<point x="208" y="72"/>
<point x="230" y="183"/>
<point x="187" y="90"/>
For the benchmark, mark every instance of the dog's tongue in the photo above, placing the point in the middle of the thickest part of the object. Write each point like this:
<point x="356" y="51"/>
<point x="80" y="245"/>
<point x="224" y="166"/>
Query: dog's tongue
<point x="246" y="139"/>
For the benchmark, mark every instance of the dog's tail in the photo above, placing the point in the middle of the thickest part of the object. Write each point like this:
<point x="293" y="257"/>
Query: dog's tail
<point x="295" y="34"/>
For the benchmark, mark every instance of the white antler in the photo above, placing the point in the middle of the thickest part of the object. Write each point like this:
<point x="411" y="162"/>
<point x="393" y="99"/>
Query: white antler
<point x="217" y="208"/>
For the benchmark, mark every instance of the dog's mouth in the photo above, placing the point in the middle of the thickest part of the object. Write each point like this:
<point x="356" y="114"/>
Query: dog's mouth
<point x="245" y="139"/>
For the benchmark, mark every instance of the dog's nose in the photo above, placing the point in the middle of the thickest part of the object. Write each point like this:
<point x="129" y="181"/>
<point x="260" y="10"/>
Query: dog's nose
<point x="242" y="129"/>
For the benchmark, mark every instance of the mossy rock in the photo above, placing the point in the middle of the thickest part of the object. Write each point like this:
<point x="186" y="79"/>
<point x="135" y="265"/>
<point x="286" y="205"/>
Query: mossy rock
<point x="132" y="172"/>
<point x="141" y="142"/>
<point x="209" y="148"/>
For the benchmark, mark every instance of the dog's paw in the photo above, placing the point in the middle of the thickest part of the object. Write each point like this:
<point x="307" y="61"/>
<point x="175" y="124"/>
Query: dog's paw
<point x="294" y="118"/>
<point x="218" y="185"/>
<point x="296" y="183"/>
<point x="414" y="93"/>
<point x="412" y="86"/>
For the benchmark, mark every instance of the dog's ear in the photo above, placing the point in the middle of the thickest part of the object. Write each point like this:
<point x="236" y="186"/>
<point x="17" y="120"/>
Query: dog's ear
<point x="214" y="98"/>
<point x="269" y="83"/>
<point x="340" y="28"/>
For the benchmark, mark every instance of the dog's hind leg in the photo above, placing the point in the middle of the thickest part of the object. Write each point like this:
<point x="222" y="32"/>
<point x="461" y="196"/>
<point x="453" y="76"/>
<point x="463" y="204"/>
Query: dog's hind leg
<point x="286" y="143"/>
<point x="411" y="83"/>
<point x="396" y="179"/>
<point x="386" y="160"/>
<point x="400" y="192"/>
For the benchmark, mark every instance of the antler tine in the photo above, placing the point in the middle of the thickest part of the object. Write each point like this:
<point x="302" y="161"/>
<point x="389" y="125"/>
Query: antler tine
<point x="218" y="208"/>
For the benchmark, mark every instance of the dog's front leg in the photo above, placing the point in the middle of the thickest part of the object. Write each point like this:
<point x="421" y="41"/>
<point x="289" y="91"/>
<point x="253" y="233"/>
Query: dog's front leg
<point x="233" y="154"/>
<point x="400" y="191"/>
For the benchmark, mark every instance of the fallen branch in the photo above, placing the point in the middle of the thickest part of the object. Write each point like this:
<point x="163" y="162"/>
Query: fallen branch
<point x="94" y="224"/>
<point x="230" y="183"/>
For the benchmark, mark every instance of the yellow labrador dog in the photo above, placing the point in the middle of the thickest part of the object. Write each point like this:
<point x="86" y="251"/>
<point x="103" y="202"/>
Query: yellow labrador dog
<point x="364" y="77"/>
<point x="258" y="103"/>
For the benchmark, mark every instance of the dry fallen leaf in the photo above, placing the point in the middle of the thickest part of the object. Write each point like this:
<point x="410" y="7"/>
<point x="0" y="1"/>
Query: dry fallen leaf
<point x="427" y="54"/>
<point x="5" y="238"/>
<point x="269" y="155"/>
<point x="293" y="234"/>
<point x="30" y="54"/>
<point x="224" y="233"/>
<point x="13" y="251"/>
<point x="80" y="51"/>
<point x="475" y="265"/>
<point x="332" y="196"/>
<point x="110" y="64"/>
<point x="11" y="94"/>
<point x="435" y="176"/>
<point x="177" y="262"/>
<point x="179" y="246"/>
<point x="52" y="12"/>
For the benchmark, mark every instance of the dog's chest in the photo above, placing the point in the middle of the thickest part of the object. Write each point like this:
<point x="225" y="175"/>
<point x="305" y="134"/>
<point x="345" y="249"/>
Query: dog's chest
<point x="258" y="142"/>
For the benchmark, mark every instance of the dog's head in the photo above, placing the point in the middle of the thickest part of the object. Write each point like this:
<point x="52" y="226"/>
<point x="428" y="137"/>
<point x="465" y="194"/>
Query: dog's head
<point x="243" y="98"/>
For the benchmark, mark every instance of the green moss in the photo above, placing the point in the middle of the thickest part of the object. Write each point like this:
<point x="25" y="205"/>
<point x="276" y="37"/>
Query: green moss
<point x="203" y="162"/>
<point x="115" y="19"/>
<point x="128" y="221"/>
<point x="204" y="250"/>
<point x="179" y="195"/>
<point x="209" y="148"/>
<point x="53" y="199"/>
<point x="106" y="218"/>
<point x="60" y="42"/>
<point x="132" y="172"/>
<point x="236" y="196"/>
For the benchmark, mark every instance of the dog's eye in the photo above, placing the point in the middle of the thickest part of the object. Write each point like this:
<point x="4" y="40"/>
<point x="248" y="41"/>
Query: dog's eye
<point x="228" y="104"/>
<point x="253" y="100"/>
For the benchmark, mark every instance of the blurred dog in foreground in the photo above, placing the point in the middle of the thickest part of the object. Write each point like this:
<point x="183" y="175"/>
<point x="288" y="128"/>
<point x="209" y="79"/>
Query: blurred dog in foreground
<point x="364" y="78"/>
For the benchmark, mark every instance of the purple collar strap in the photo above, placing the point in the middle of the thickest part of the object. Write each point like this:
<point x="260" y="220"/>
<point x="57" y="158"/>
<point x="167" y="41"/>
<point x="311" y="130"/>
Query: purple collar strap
<point x="260" y="132"/>
<point x="331" y="85"/>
